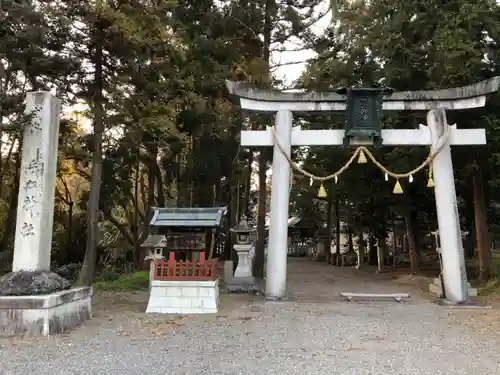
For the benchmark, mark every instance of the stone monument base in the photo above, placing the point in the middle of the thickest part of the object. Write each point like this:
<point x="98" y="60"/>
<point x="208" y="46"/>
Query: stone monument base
<point x="242" y="285"/>
<point x="184" y="297"/>
<point x="44" y="315"/>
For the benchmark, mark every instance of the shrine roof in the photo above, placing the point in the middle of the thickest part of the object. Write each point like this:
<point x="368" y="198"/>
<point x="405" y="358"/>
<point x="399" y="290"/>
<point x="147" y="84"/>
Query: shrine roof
<point x="196" y="217"/>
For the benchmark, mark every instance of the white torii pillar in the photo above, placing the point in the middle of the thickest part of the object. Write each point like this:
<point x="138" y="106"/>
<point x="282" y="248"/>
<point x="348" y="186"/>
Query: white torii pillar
<point x="280" y="197"/>
<point x="284" y="104"/>
<point x="452" y="250"/>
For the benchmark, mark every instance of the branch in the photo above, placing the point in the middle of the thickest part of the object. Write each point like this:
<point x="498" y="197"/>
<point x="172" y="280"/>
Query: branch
<point x="300" y="49"/>
<point x="245" y="26"/>
<point x="123" y="228"/>
<point x="10" y="126"/>
<point x="83" y="173"/>
<point x="317" y="19"/>
<point x="306" y="61"/>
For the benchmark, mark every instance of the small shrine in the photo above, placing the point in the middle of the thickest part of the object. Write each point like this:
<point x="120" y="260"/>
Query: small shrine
<point x="184" y="275"/>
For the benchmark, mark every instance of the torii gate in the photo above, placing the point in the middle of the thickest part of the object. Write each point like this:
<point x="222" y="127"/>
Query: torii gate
<point x="435" y="102"/>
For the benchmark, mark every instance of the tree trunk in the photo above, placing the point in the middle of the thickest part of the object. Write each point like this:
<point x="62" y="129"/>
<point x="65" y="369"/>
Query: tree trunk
<point x="350" y="240"/>
<point x="469" y="216"/>
<point x="483" y="239"/>
<point x="245" y="205"/>
<point x="87" y="272"/>
<point x="160" y="199"/>
<point x="259" y="258"/>
<point x="382" y="252"/>
<point x="337" y="232"/>
<point x="361" y="251"/>
<point x="10" y="220"/>
<point x="69" y="242"/>
<point x="394" y="245"/>
<point x="412" y="243"/>
<point x="328" y="240"/>
<point x="372" y="250"/>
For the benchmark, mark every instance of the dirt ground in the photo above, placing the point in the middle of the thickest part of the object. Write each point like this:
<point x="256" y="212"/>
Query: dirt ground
<point x="314" y="331"/>
<point x="124" y="311"/>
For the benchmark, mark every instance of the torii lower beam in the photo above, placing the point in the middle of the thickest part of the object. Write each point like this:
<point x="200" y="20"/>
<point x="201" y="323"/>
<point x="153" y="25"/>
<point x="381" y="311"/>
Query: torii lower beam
<point x="391" y="137"/>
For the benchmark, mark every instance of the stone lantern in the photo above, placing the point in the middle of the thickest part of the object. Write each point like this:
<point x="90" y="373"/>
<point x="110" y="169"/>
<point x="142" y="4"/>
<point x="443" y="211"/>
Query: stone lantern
<point x="243" y="280"/>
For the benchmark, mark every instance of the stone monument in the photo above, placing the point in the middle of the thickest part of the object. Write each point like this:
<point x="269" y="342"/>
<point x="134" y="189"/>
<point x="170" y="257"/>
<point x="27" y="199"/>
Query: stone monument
<point x="243" y="279"/>
<point x="33" y="300"/>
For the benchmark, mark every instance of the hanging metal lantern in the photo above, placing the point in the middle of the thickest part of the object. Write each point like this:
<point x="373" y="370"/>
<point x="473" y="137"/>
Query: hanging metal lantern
<point x="364" y="113"/>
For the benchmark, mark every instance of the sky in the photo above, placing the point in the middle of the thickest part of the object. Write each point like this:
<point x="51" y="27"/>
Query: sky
<point x="287" y="73"/>
<point x="290" y="73"/>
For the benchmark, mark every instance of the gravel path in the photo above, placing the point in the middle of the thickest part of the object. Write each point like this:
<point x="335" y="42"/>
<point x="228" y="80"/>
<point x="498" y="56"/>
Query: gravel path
<point x="314" y="333"/>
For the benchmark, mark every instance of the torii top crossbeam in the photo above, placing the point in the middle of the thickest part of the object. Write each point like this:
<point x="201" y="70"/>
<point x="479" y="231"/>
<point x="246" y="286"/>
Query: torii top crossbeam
<point x="472" y="96"/>
<point x="466" y="97"/>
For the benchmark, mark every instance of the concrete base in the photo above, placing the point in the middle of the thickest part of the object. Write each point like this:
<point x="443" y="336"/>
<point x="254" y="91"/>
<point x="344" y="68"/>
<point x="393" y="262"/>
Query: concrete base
<point x="46" y="314"/>
<point x="287" y="298"/>
<point x="436" y="288"/>
<point x="184" y="297"/>
<point x="242" y="285"/>
<point x="462" y="305"/>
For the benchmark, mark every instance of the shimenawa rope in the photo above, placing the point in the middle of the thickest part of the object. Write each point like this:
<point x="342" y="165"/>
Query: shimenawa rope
<point x="359" y="152"/>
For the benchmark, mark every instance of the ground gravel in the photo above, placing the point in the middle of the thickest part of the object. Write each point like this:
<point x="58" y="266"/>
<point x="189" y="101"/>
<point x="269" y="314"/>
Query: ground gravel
<point x="313" y="333"/>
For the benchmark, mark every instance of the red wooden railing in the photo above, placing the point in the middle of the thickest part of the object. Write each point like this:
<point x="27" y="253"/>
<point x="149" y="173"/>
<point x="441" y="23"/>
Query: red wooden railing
<point x="171" y="269"/>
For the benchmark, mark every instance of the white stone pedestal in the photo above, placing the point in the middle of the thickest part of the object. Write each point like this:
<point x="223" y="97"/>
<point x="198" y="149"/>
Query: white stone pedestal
<point x="243" y="280"/>
<point x="184" y="297"/>
<point x="44" y="315"/>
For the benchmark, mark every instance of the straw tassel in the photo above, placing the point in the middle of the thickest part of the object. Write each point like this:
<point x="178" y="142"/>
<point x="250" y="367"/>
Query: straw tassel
<point x="362" y="157"/>
<point x="397" y="188"/>
<point x="322" y="191"/>
<point x="430" y="181"/>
